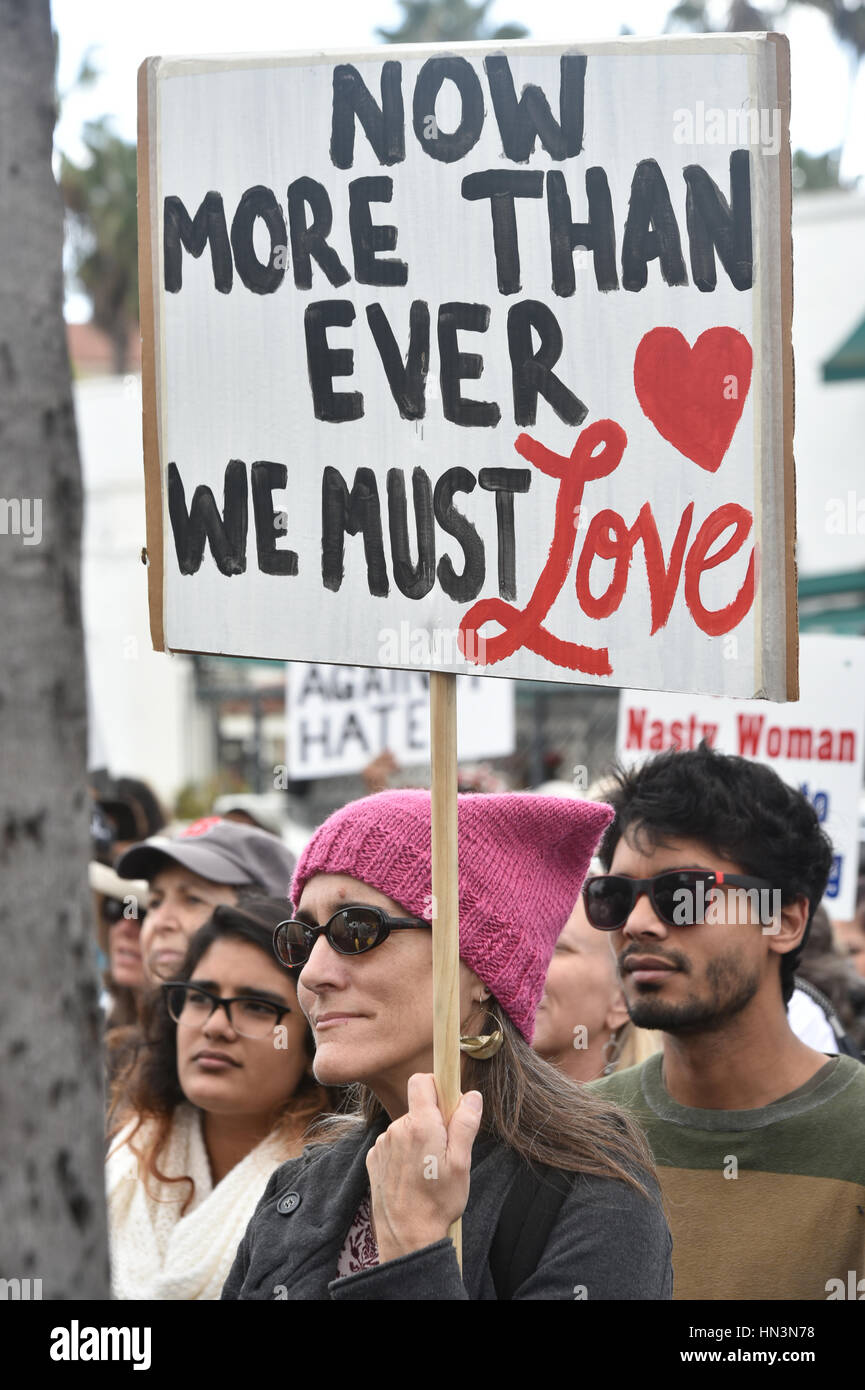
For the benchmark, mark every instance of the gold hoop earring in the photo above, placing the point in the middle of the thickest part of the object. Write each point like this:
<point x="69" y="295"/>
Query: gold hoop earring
<point x="485" y="1045"/>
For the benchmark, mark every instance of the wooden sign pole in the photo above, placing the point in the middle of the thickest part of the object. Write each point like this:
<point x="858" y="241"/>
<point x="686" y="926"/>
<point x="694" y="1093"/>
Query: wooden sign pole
<point x="445" y="892"/>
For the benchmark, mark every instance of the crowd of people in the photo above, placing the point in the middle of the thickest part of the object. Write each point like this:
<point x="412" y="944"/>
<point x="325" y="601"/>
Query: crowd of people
<point x="663" y="1091"/>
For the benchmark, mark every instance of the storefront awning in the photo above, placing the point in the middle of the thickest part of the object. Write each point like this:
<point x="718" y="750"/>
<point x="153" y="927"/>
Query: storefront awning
<point x="848" y="362"/>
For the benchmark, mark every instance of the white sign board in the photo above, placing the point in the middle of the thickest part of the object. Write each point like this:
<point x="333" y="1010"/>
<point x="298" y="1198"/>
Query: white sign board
<point x="474" y="360"/>
<point x="341" y="717"/>
<point x="816" y="743"/>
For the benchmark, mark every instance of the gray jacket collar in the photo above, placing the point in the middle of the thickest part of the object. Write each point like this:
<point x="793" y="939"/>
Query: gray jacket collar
<point x="331" y="1181"/>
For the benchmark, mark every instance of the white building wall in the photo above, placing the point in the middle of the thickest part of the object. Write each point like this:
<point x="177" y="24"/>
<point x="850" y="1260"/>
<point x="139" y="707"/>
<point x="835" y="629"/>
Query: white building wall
<point x="144" y="719"/>
<point x="828" y="303"/>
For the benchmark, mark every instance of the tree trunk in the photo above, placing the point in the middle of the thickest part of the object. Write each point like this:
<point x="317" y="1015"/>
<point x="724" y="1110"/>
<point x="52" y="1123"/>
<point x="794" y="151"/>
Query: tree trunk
<point x="52" y="1206"/>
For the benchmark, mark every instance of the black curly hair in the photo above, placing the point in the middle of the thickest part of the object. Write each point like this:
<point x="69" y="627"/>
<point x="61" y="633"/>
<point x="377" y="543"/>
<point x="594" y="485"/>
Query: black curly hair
<point x="739" y="809"/>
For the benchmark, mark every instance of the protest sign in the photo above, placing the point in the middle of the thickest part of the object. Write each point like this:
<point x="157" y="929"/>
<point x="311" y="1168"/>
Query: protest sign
<point x="341" y="717"/>
<point x="816" y="743"/>
<point x="474" y="360"/>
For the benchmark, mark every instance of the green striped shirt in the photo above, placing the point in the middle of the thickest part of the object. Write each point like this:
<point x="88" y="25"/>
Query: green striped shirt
<point x="766" y="1203"/>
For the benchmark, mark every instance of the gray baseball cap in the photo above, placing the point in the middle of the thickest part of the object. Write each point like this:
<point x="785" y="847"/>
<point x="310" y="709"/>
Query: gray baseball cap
<point x="220" y="850"/>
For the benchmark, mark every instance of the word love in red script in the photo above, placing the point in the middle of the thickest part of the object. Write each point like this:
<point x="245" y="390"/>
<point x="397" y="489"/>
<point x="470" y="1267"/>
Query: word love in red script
<point x="596" y="454"/>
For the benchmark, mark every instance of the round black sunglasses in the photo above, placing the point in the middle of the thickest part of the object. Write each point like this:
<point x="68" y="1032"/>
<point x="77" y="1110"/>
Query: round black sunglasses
<point x="351" y="931"/>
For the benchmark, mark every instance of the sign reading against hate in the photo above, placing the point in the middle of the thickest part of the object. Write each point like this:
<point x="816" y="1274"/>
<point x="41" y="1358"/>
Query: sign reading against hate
<point x="816" y="743"/>
<point x="475" y="360"/>
<point x="341" y="717"/>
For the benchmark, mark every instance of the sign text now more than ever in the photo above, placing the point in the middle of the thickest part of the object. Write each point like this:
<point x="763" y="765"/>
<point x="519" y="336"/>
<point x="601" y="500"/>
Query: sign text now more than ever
<point x="299" y="236"/>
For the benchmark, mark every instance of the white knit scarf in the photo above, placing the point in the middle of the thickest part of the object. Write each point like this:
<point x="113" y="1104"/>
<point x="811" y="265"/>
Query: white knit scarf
<point x="156" y="1253"/>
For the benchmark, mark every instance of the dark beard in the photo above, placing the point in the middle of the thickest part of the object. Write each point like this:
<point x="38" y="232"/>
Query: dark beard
<point x="730" y="989"/>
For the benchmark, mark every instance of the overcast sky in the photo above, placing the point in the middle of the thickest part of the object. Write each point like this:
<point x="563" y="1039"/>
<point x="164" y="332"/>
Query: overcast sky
<point x="124" y="34"/>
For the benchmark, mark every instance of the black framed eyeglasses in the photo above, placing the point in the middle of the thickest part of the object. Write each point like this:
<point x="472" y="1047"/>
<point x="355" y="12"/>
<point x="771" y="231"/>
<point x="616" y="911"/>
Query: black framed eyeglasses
<point x="680" y="897"/>
<point x="351" y="932"/>
<point x="191" y="1006"/>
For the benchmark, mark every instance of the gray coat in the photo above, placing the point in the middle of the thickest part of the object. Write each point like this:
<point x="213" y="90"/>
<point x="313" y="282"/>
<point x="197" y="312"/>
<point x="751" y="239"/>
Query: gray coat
<point x="608" y="1241"/>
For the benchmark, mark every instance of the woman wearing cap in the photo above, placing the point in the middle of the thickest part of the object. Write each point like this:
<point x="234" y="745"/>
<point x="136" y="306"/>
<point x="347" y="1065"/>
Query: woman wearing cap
<point x="118" y="906"/>
<point x="221" y="1093"/>
<point x="364" y="1213"/>
<point x="212" y="861"/>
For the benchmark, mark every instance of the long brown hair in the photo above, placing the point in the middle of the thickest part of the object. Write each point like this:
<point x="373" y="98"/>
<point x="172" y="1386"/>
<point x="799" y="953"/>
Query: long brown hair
<point x="534" y="1109"/>
<point x="147" y="1091"/>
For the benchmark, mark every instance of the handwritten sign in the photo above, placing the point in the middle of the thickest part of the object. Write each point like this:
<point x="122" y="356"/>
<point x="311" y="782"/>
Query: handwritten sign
<point x="816" y="743"/>
<point x="475" y="360"/>
<point x="341" y="717"/>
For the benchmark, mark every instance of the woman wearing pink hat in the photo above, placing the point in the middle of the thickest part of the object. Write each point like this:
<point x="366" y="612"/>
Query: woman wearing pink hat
<point x="556" y="1189"/>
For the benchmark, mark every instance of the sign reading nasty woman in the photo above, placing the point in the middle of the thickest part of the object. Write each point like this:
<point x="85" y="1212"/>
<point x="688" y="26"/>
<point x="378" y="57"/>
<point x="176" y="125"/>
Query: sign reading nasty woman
<point x="475" y="361"/>
<point x="816" y="744"/>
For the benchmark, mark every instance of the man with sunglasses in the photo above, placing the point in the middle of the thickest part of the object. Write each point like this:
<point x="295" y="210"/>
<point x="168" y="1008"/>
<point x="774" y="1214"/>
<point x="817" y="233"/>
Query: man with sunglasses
<point x="714" y="868"/>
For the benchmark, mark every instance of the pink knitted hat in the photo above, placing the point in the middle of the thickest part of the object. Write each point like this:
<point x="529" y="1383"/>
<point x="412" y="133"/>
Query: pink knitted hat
<point x="522" y="861"/>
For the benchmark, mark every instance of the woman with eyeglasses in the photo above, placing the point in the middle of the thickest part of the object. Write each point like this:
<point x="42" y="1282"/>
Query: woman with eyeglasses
<point x="556" y="1192"/>
<point x="221" y="1092"/>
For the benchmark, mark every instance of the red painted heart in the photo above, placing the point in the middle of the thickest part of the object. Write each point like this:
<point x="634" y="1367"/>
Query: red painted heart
<point x="694" y="396"/>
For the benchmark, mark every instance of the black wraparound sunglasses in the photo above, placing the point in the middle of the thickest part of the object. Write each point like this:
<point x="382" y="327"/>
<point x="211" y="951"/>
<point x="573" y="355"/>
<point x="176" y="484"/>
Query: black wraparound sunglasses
<point x="351" y="932"/>
<point x="680" y="897"/>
